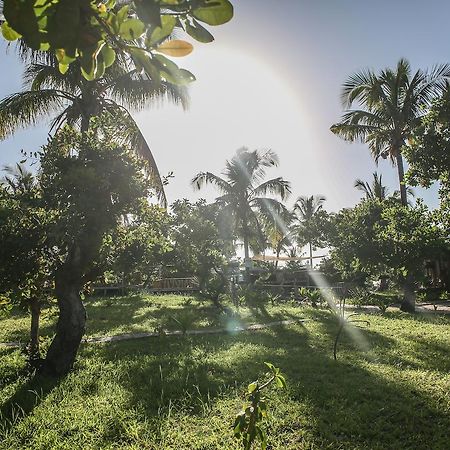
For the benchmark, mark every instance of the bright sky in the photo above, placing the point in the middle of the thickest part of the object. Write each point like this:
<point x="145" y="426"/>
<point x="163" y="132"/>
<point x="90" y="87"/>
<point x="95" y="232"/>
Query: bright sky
<point x="272" y="80"/>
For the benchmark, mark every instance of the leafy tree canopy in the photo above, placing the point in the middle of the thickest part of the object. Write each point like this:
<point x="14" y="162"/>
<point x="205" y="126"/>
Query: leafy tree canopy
<point x="95" y="32"/>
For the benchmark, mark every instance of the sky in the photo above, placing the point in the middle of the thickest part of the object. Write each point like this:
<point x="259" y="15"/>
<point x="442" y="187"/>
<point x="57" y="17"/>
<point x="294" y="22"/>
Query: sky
<point x="272" y="79"/>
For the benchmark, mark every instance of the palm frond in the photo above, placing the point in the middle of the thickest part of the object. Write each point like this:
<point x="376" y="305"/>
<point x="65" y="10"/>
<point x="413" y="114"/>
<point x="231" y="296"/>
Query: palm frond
<point x="128" y="133"/>
<point x="204" y="178"/>
<point x="27" y="109"/>
<point x="276" y="186"/>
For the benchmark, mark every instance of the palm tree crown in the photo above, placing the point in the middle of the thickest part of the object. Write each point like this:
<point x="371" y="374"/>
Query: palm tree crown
<point x="373" y="191"/>
<point x="69" y="98"/>
<point x="244" y="191"/>
<point x="390" y="106"/>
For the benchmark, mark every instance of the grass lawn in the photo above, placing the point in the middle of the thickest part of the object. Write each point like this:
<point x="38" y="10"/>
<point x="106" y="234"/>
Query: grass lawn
<point x="182" y="392"/>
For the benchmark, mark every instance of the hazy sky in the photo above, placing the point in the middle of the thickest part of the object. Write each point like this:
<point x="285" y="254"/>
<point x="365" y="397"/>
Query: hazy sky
<point x="272" y="80"/>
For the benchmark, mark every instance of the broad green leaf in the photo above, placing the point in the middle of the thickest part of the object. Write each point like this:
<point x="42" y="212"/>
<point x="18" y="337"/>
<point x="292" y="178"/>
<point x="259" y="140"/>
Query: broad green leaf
<point x="148" y="11"/>
<point x="175" y="48"/>
<point x="252" y="387"/>
<point x="63" y="58"/>
<point x="8" y="33"/>
<point x="199" y="32"/>
<point x="109" y="55"/>
<point x="131" y="29"/>
<point x="280" y="381"/>
<point x="166" y="28"/>
<point x="122" y="14"/>
<point x="217" y="13"/>
<point x="63" y="68"/>
<point x="141" y="58"/>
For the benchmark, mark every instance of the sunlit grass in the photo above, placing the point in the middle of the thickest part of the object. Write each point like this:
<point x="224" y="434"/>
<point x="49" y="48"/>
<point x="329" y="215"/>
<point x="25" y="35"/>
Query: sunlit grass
<point x="182" y="392"/>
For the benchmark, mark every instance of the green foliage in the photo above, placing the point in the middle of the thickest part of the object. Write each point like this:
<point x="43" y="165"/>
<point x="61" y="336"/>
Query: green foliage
<point x="359" y="296"/>
<point x="377" y="238"/>
<point x="25" y="223"/>
<point x="313" y="296"/>
<point x="248" y="423"/>
<point x="201" y="242"/>
<point x="93" y="33"/>
<point x="132" y="252"/>
<point x="428" y="155"/>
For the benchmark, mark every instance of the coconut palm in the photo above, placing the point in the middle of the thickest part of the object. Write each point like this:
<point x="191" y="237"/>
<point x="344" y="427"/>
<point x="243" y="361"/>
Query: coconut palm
<point x="378" y="191"/>
<point x="244" y="192"/>
<point x="306" y="210"/>
<point x="70" y="99"/>
<point x="278" y="233"/>
<point x="391" y="104"/>
<point x="374" y="190"/>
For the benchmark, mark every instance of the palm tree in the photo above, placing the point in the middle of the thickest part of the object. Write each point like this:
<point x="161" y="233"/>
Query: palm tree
<point x="373" y="191"/>
<point x="70" y="99"/>
<point x="244" y="192"/>
<point x="377" y="190"/>
<point x="390" y="107"/>
<point x="278" y="234"/>
<point x="306" y="210"/>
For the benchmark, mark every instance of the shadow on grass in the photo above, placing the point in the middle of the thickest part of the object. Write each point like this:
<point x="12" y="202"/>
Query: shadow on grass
<point x="348" y="402"/>
<point x="26" y="398"/>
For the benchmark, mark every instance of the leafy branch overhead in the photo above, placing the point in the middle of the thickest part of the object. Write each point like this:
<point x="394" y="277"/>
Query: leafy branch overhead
<point x="95" y="32"/>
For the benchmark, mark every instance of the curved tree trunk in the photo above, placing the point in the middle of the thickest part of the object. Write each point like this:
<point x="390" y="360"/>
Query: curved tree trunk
<point x="401" y="179"/>
<point x="72" y="317"/>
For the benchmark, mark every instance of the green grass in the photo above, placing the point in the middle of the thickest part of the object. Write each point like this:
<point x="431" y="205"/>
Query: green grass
<point x="140" y="313"/>
<point x="183" y="392"/>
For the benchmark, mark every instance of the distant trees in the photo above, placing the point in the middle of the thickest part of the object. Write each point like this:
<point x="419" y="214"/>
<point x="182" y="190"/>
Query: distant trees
<point x="308" y="215"/>
<point x="201" y="240"/>
<point x="390" y="105"/>
<point x="244" y="192"/>
<point x="377" y="238"/>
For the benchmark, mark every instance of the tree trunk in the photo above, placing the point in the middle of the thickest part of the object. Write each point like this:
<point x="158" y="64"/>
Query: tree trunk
<point x="401" y="179"/>
<point x="409" y="296"/>
<point x="71" y="324"/>
<point x="310" y="255"/>
<point x="35" y="309"/>
<point x="246" y="256"/>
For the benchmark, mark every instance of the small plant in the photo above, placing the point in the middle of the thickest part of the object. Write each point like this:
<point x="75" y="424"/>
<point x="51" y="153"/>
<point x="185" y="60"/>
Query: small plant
<point x="382" y="301"/>
<point x="247" y="425"/>
<point x="343" y="321"/>
<point x="359" y="296"/>
<point x="312" y="295"/>
<point x="184" y="319"/>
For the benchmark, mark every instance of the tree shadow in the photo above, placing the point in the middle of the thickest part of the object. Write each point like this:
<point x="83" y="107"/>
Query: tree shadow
<point x="348" y="403"/>
<point x="26" y="397"/>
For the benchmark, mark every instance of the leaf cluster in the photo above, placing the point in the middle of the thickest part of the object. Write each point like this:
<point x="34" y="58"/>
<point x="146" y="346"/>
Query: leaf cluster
<point x="95" y="32"/>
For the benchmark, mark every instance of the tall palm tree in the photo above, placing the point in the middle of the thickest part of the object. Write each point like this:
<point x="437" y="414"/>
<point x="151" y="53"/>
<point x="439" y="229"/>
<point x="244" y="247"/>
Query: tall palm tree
<point x="70" y="99"/>
<point x="377" y="190"/>
<point x="390" y="105"/>
<point x="306" y="210"/>
<point x="244" y="192"/>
